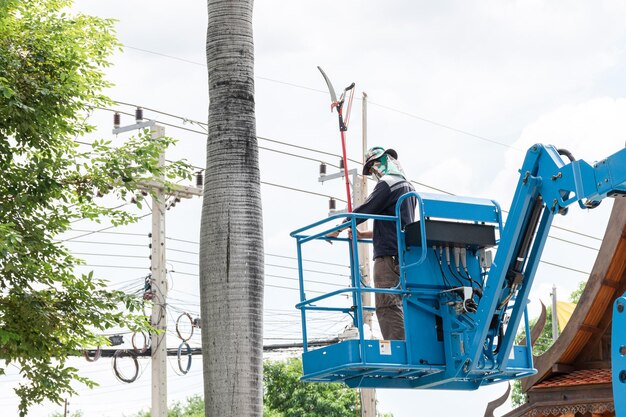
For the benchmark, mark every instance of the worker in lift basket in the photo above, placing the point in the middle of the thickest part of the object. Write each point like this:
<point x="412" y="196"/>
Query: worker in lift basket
<point x="392" y="184"/>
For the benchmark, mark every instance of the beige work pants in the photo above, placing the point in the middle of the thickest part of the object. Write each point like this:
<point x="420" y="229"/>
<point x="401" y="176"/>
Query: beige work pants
<point x="388" y="306"/>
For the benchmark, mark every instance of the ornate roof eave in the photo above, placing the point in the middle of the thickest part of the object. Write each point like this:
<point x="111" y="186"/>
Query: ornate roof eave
<point x="539" y="410"/>
<point x="591" y="318"/>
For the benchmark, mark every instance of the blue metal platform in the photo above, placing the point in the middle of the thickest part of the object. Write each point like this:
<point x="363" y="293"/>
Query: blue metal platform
<point x="384" y="364"/>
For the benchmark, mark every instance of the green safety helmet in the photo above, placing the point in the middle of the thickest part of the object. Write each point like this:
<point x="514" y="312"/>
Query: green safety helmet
<point x="374" y="154"/>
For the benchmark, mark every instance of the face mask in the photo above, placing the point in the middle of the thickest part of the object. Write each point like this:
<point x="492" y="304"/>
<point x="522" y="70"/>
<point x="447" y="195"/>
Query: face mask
<point x="376" y="172"/>
<point x="377" y="169"/>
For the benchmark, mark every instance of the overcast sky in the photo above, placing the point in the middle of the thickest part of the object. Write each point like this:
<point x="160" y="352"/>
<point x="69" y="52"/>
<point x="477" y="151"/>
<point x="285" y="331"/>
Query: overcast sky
<point x="460" y="89"/>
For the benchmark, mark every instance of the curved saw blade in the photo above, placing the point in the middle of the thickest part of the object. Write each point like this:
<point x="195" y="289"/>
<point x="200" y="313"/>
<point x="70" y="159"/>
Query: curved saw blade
<point x="333" y="95"/>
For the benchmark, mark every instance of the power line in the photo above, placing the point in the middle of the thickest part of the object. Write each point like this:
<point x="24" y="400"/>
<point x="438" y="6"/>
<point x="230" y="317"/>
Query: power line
<point x="116" y="266"/>
<point x="204" y="66"/>
<point x="267" y="265"/>
<point x="554" y="226"/>
<point x="100" y="230"/>
<point x="113" y="233"/>
<point x="576" y="233"/>
<point x="292" y="289"/>
<point x="266" y="254"/>
<point x="182" y="262"/>
<point x="184" y="273"/>
<point x="431" y="187"/>
<point x="566" y="267"/>
<point x="108" y="254"/>
<point x="182" y="251"/>
<point x="196" y="243"/>
<point x="306" y="260"/>
<point x="265" y="285"/>
<point x="358" y="162"/>
<point x="301" y="191"/>
<point x="411" y="115"/>
<point x="297" y="156"/>
<point x="307" y="281"/>
<point x="304" y="148"/>
<point x="444" y="126"/>
<point x="327" y="196"/>
<point x="265" y="182"/>
<point x="109" y="243"/>
<point x="574" y="243"/>
<point x="205" y="125"/>
<point x="309" y="270"/>
<point x="328" y="153"/>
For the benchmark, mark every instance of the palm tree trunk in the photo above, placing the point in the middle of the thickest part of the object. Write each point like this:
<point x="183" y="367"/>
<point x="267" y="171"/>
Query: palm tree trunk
<point x="231" y="233"/>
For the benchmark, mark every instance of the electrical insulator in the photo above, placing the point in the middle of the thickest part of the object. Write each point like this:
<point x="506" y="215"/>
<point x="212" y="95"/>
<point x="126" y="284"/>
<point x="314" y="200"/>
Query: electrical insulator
<point x="332" y="204"/>
<point x="117" y="118"/>
<point x="341" y="163"/>
<point x="322" y="168"/>
<point x="116" y="340"/>
<point x="138" y="114"/>
<point x="199" y="179"/>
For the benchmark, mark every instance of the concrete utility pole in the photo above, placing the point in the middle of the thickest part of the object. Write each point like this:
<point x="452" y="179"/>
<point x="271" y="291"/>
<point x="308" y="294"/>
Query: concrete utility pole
<point x="158" y="286"/>
<point x="359" y="195"/>
<point x="158" y="273"/>
<point x="555" y="320"/>
<point x="368" y="396"/>
<point x="158" y="276"/>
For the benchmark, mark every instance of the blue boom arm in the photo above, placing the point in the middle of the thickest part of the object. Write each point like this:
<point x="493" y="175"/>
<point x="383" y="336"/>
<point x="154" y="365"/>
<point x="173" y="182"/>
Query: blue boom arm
<point x="547" y="186"/>
<point x="461" y="310"/>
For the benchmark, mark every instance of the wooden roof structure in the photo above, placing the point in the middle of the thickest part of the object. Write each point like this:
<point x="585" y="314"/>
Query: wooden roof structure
<point x="574" y="375"/>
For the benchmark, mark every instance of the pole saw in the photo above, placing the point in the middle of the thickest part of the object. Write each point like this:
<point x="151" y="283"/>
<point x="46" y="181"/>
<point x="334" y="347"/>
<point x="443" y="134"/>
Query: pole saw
<point x="343" y="126"/>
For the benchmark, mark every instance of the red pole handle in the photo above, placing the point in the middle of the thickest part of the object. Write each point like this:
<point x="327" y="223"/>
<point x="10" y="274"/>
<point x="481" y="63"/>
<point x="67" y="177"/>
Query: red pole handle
<point x="345" y="162"/>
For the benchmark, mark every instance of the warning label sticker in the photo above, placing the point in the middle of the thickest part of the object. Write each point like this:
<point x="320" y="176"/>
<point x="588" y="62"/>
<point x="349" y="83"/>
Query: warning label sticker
<point x="385" y="347"/>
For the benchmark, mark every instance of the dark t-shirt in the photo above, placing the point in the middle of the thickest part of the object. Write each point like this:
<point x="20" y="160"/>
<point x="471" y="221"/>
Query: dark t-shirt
<point x="382" y="201"/>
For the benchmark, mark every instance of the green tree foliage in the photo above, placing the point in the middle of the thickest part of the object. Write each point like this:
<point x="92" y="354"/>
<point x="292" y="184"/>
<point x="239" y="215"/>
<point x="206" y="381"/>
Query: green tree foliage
<point x="51" y="75"/>
<point x="194" y="407"/>
<point x="286" y="396"/>
<point x="76" y="414"/>
<point x="543" y="343"/>
<point x="574" y="297"/>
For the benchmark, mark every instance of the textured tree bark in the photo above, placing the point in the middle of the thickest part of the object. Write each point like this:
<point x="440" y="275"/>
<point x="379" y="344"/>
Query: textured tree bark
<point x="231" y="233"/>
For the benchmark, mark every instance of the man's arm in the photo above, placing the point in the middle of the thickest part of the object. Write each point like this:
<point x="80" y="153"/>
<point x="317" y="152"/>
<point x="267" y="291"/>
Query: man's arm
<point x="365" y="234"/>
<point x="374" y="204"/>
<point x="376" y="201"/>
<point x="361" y="234"/>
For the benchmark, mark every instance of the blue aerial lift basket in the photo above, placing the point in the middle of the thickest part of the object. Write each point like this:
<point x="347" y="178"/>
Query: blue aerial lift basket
<point x="462" y="309"/>
<point x="432" y="309"/>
